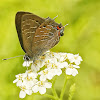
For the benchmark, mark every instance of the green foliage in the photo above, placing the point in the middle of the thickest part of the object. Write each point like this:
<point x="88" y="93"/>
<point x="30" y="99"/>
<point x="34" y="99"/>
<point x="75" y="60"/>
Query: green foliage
<point x="71" y="91"/>
<point x="82" y="36"/>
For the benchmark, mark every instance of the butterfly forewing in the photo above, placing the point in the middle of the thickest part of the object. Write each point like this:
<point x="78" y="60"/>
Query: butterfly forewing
<point x="18" y="26"/>
<point x="28" y="25"/>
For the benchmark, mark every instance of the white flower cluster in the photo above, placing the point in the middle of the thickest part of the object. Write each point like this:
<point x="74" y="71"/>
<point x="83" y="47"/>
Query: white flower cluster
<point x="43" y="70"/>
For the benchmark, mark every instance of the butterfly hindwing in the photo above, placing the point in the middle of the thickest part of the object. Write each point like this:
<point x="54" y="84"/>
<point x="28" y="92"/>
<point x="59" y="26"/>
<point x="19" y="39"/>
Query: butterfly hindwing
<point x="46" y="37"/>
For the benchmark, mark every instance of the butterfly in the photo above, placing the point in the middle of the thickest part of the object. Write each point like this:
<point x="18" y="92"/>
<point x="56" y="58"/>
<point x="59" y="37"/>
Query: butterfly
<point x="36" y="34"/>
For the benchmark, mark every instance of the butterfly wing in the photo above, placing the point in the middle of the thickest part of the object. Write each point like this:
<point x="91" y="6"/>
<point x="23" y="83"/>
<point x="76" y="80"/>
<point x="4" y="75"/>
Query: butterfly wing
<point x="46" y="37"/>
<point x="18" y="26"/>
<point x="26" y="25"/>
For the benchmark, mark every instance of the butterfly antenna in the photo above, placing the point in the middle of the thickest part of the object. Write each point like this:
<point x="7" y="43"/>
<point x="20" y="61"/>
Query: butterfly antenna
<point x="12" y="57"/>
<point x="65" y="25"/>
<point x="55" y="17"/>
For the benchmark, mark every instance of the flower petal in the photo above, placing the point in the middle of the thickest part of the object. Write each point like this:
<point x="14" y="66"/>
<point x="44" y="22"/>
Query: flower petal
<point x="69" y="71"/>
<point x="29" y="92"/>
<point x="62" y="65"/>
<point x="35" y="68"/>
<point x="50" y="75"/>
<point x="48" y="84"/>
<point x="42" y="90"/>
<point x="58" y="71"/>
<point x="15" y="81"/>
<point x="19" y="83"/>
<point x="35" y="88"/>
<point x="27" y="63"/>
<point x="75" y="66"/>
<point x="22" y="94"/>
<point x="42" y="77"/>
<point x="75" y="72"/>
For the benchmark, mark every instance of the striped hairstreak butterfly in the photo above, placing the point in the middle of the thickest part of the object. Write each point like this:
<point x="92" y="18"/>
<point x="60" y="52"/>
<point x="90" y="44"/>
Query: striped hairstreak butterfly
<point x="36" y="34"/>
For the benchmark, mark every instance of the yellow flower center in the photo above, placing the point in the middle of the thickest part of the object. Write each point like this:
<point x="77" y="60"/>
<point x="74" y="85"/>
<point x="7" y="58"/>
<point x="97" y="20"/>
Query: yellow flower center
<point x="75" y="57"/>
<point x="54" y="66"/>
<point x="23" y="88"/>
<point x="45" y="72"/>
<point x="70" y="66"/>
<point x="40" y="83"/>
<point x="20" y="77"/>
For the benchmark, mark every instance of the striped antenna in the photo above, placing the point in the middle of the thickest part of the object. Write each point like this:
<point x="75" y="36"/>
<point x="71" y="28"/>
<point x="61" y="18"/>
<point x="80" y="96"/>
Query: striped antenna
<point x="12" y="57"/>
<point x="65" y="25"/>
<point x="55" y="17"/>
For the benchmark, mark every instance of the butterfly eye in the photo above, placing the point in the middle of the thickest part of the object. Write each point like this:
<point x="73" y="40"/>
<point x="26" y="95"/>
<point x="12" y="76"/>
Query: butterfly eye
<point x="59" y="26"/>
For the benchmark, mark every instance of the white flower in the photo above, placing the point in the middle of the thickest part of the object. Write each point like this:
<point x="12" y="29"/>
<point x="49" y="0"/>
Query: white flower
<point x="27" y="63"/>
<point x="70" y="70"/>
<point x="29" y="83"/>
<point x="26" y="81"/>
<point x="31" y="74"/>
<point x="61" y="57"/>
<point x="44" y="69"/>
<point x="45" y="74"/>
<point x="77" y="59"/>
<point x="29" y="79"/>
<point x="63" y="64"/>
<point x="74" y="58"/>
<point x="25" y="90"/>
<point x="18" y="80"/>
<point x="37" y="65"/>
<point x="55" y="67"/>
<point x="54" y="70"/>
<point x="70" y="57"/>
<point x="27" y="76"/>
<point x="41" y="87"/>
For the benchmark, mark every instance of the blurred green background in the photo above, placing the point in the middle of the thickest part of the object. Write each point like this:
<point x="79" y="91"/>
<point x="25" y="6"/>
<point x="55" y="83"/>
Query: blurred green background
<point x="82" y="36"/>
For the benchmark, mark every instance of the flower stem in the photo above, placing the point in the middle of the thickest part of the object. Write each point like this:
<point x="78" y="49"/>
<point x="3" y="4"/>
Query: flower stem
<point x="63" y="89"/>
<point x="53" y="89"/>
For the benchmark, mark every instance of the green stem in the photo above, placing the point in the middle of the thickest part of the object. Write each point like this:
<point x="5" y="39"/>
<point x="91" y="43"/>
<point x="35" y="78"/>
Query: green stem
<point x="63" y="89"/>
<point x="53" y="89"/>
